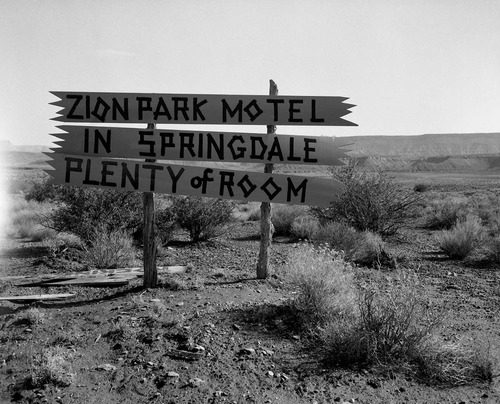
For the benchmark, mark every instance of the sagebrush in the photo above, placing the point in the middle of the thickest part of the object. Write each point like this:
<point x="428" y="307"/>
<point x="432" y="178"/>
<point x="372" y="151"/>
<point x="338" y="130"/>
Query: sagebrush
<point x="370" y="201"/>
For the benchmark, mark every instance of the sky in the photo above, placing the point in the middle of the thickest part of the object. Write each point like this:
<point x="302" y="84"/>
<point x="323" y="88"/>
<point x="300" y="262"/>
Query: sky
<point x="410" y="67"/>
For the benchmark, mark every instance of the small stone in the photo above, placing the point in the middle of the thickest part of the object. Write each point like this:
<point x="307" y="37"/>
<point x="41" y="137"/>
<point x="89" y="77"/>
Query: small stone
<point x="195" y="382"/>
<point x="197" y="348"/>
<point x="106" y="367"/>
<point x="374" y="383"/>
<point x="236" y="327"/>
<point x="484" y="395"/>
<point x="296" y="337"/>
<point x="246" y="351"/>
<point x="402" y="389"/>
<point x="172" y="374"/>
<point x="270" y="373"/>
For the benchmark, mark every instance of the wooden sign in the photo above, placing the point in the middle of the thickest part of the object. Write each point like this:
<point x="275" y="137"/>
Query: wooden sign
<point x="133" y="175"/>
<point x="201" y="109"/>
<point x="166" y="144"/>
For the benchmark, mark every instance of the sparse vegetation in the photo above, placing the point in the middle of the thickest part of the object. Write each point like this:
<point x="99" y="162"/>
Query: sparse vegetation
<point x="370" y="201"/>
<point x="462" y="239"/>
<point x="283" y="217"/>
<point x="375" y="324"/>
<point x="203" y="218"/>
<point x="109" y="249"/>
<point x="52" y="366"/>
<point x="81" y="210"/>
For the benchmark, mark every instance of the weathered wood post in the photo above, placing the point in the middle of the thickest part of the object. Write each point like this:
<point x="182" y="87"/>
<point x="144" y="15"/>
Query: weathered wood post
<point x="149" y="236"/>
<point x="266" y="226"/>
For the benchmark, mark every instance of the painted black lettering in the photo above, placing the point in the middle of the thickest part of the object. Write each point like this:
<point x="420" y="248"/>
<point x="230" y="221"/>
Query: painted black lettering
<point x="77" y="98"/>
<point x="161" y="109"/>
<point x="253" y="110"/>
<point x="126" y="174"/>
<point x="308" y="149"/>
<point x="292" y="111"/>
<point x="86" y="141"/>
<point x="240" y="151"/>
<point x="175" y="177"/>
<point x="88" y="169"/>
<point x="71" y="167"/>
<point x="153" y="168"/>
<point x="246" y="185"/>
<point x="167" y="140"/>
<point x="123" y="110"/>
<point x="144" y="105"/>
<point x="99" y="139"/>
<point x="313" y="113"/>
<point x="275" y="103"/>
<point x="180" y="105"/>
<point x="150" y="143"/>
<point x="256" y="141"/>
<point x="187" y="143"/>
<point x="271" y="188"/>
<point x="212" y="145"/>
<point x="105" y="172"/>
<point x="275" y="150"/>
<point x="226" y="181"/>
<point x="227" y="110"/>
<point x="291" y="149"/>
<point x="197" y="109"/>
<point x="295" y="190"/>
<point x="98" y="112"/>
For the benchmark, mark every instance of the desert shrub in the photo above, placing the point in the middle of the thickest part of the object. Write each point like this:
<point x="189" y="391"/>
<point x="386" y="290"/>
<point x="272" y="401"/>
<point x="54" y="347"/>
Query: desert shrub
<point x="421" y="187"/>
<point x="383" y="323"/>
<point x="370" y="201"/>
<point x="254" y="214"/>
<point x="370" y="250"/>
<point x="80" y="210"/>
<point x="203" y="218"/>
<point x="453" y="364"/>
<point x="305" y="227"/>
<point x="52" y="366"/>
<point x="108" y="249"/>
<point x="166" y="224"/>
<point x="30" y="220"/>
<point x="42" y="191"/>
<point x="325" y="285"/>
<point x="462" y="239"/>
<point x="338" y="236"/>
<point x="493" y="249"/>
<point x="33" y="316"/>
<point x="444" y="214"/>
<point x="283" y="216"/>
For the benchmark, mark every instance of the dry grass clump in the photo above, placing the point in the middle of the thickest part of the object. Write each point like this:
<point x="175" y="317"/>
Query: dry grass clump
<point x="453" y="364"/>
<point x="283" y="217"/>
<point x="462" y="239"/>
<point x="52" y="366"/>
<point x="34" y="316"/>
<point x="29" y="220"/>
<point x="493" y="249"/>
<point x="109" y="249"/>
<point x="443" y="214"/>
<point x="382" y="324"/>
<point x="325" y="284"/>
<point x="305" y="227"/>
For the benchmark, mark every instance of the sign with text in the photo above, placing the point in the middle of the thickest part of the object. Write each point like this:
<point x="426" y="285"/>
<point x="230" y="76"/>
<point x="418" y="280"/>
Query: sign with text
<point x="201" y="109"/>
<point x="133" y="175"/>
<point x="166" y="144"/>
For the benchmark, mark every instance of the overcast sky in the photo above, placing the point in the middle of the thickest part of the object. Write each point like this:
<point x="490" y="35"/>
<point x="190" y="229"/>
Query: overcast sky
<point x="410" y="67"/>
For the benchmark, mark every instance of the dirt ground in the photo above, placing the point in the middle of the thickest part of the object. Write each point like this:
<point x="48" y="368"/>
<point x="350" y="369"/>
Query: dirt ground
<point x="124" y="345"/>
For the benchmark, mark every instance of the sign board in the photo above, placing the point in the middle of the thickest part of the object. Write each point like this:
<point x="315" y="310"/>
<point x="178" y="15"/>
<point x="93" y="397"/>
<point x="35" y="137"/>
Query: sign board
<point x="201" y="109"/>
<point x="166" y="144"/>
<point x="133" y="175"/>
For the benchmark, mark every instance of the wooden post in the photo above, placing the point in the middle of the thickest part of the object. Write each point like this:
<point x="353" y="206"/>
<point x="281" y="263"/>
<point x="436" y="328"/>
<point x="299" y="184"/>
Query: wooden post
<point x="149" y="236"/>
<point x="266" y="226"/>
